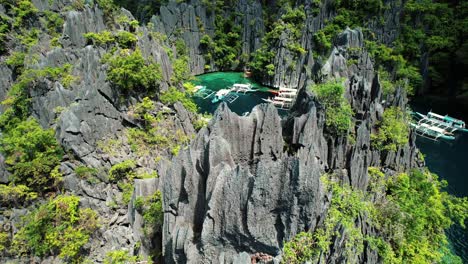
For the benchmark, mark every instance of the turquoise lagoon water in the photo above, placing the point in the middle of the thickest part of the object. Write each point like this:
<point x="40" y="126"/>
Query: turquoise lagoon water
<point x="221" y="80"/>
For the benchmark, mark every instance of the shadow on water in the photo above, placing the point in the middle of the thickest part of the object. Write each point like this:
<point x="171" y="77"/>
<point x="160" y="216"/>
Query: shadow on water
<point x="448" y="159"/>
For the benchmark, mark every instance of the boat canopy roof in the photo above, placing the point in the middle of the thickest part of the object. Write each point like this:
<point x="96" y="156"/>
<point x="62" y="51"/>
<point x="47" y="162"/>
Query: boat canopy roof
<point x="436" y="129"/>
<point x="446" y="118"/>
<point x="241" y="85"/>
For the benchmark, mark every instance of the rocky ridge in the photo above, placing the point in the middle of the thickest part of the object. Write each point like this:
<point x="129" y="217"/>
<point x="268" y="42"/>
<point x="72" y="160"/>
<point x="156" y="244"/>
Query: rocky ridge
<point x="237" y="191"/>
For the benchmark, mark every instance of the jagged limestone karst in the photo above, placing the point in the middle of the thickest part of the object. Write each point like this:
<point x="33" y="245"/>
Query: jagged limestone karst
<point x="243" y="186"/>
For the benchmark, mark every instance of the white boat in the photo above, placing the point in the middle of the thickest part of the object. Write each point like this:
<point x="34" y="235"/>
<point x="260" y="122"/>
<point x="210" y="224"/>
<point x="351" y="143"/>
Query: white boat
<point x="220" y="95"/>
<point x="446" y="122"/>
<point x="242" y="88"/>
<point x="432" y="132"/>
<point x="198" y="88"/>
<point x="280" y="103"/>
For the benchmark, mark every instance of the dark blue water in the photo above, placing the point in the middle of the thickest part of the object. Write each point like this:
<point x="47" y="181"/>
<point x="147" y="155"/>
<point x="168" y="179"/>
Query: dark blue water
<point x="449" y="160"/>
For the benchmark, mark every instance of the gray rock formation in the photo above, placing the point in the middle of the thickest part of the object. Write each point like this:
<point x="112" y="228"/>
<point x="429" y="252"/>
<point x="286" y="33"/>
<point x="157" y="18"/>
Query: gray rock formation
<point x="245" y="184"/>
<point x="237" y="191"/>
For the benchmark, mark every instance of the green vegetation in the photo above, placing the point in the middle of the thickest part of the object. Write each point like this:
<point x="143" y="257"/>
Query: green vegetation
<point x="4" y="29"/>
<point x="104" y="38"/>
<point x="124" y="39"/>
<point x="393" y="130"/>
<point x="173" y="95"/>
<point x="181" y="72"/>
<point x="119" y="256"/>
<point x="58" y="227"/>
<point x="24" y="10"/>
<point x="338" y="112"/>
<point x="123" y="170"/>
<point x="31" y="155"/>
<point x="410" y="220"/>
<point x="299" y="249"/>
<point x="15" y="195"/>
<point x="87" y="173"/>
<point x="130" y="72"/>
<point x="53" y="23"/>
<point x="227" y="42"/>
<point x="18" y="100"/>
<point x="124" y="174"/>
<point x="150" y="208"/>
<point x="438" y="28"/>
<point x="414" y="221"/>
<point x="291" y="23"/>
<point x="16" y="61"/>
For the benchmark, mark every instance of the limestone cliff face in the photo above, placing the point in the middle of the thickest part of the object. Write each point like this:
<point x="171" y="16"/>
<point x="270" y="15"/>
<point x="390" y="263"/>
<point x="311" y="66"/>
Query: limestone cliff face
<point x="91" y="112"/>
<point x="191" y="21"/>
<point x="236" y="192"/>
<point x="245" y="184"/>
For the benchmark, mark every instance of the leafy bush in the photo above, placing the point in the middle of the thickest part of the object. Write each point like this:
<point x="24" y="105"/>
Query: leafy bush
<point x="393" y="130"/>
<point x="291" y="25"/>
<point x="24" y="9"/>
<point x="129" y="71"/>
<point x="172" y="95"/>
<point x="142" y="111"/>
<point x="151" y="209"/>
<point x="338" y="112"/>
<point x="226" y="45"/>
<point x="54" y="23"/>
<point x="31" y="154"/>
<point x="18" y="100"/>
<point x="4" y="29"/>
<point x="108" y="6"/>
<point x="103" y="38"/>
<point x="106" y="38"/>
<point x="14" y="195"/>
<point x="123" y="170"/>
<point x="87" y="173"/>
<point x="410" y="220"/>
<point x="16" y="61"/>
<point x="299" y="250"/>
<point x="119" y="256"/>
<point x="57" y="227"/>
<point x="126" y="39"/>
<point x="414" y="226"/>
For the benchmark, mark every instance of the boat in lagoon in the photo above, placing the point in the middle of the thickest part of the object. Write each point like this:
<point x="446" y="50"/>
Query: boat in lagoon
<point x="284" y="98"/>
<point x="242" y="88"/>
<point x="446" y="122"/>
<point x="220" y="95"/>
<point x="431" y="132"/>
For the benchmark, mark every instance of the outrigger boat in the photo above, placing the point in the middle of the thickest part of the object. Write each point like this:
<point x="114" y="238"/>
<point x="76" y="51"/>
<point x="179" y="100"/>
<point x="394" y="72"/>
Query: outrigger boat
<point x="451" y="123"/>
<point x="284" y="98"/>
<point x="431" y="132"/>
<point x="220" y="95"/>
<point x="225" y="94"/>
<point x="242" y="88"/>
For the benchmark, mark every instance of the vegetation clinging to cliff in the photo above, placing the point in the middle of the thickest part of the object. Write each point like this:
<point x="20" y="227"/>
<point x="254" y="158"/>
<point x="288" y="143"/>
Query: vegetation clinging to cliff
<point x="393" y="130"/>
<point x="130" y="71"/>
<point x="289" y="27"/>
<point x="410" y="220"/>
<point x="58" y="226"/>
<point x="338" y="112"/>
